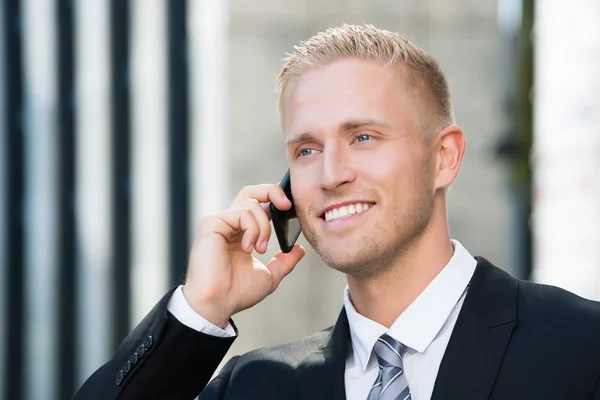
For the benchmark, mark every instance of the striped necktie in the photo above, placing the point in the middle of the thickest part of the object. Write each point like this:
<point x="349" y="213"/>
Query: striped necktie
<point x="391" y="383"/>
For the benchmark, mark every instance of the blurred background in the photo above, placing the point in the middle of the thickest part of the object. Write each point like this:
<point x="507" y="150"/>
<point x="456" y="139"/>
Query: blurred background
<point x="123" y="122"/>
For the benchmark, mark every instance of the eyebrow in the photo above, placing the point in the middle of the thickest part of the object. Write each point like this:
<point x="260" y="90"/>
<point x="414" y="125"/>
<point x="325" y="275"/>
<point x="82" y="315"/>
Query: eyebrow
<point x="357" y="123"/>
<point x="305" y="137"/>
<point x="344" y="126"/>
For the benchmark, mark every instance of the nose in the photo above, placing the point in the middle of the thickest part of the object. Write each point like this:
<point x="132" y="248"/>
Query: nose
<point x="337" y="168"/>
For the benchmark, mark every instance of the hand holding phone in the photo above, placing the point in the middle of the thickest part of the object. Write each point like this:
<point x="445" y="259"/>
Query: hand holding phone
<point x="286" y="223"/>
<point x="223" y="276"/>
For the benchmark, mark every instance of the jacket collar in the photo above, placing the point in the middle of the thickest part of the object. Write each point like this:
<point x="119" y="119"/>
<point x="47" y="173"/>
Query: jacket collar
<point x="321" y="373"/>
<point x="479" y="339"/>
<point x="472" y="358"/>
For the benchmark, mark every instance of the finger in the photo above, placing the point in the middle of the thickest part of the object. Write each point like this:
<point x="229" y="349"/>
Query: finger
<point x="264" y="194"/>
<point x="267" y="209"/>
<point x="240" y="221"/>
<point x="283" y="263"/>
<point x="263" y="223"/>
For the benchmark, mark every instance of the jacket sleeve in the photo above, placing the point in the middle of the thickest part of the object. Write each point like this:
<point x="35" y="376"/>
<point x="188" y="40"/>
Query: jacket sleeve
<point x="215" y="390"/>
<point x="161" y="358"/>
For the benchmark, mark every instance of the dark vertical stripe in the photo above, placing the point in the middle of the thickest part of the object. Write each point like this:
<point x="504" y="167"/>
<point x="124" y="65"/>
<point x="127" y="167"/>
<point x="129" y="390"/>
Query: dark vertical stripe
<point x="178" y="138"/>
<point x="525" y="79"/>
<point x="121" y="167"/>
<point x="15" y="165"/>
<point x="66" y="362"/>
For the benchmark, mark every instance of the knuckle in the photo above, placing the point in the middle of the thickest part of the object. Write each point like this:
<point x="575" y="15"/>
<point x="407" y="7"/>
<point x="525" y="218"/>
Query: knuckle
<point x="209" y="225"/>
<point x="246" y="211"/>
<point x="248" y="216"/>
<point x="243" y="194"/>
<point x="246" y="190"/>
<point x="253" y="203"/>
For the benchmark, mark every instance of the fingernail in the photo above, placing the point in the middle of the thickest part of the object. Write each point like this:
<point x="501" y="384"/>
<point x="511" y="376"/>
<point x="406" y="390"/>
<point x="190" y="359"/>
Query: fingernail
<point x="285" y="198"/>
<point x="264" y="244"/>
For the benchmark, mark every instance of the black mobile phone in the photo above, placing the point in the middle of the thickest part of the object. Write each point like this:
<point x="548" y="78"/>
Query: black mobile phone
<point x="286" y="224"/>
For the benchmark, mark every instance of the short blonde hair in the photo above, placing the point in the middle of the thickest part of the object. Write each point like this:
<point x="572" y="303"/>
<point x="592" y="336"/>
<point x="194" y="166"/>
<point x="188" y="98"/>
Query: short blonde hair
<point x="365" y="42"/>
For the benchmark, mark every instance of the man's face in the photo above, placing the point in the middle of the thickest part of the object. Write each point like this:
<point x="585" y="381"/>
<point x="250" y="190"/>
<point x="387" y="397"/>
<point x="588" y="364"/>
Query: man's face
<point x="362" y="175"/>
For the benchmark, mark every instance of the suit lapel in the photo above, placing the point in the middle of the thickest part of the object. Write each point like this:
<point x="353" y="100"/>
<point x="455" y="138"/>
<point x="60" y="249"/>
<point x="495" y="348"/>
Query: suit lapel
<point x="321" y="373"/>
<point x="480" y="336"/>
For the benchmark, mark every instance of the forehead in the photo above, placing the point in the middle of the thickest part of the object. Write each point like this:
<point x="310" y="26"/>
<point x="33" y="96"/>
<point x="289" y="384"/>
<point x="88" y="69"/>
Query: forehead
<point x="323" y="97"/>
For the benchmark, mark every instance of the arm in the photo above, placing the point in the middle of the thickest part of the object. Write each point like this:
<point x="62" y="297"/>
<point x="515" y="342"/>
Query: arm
<point x="181" y="365"/>
<point x="176" y="363"/>
<point x="223" y="278"/>
<point x="216" y="388"/>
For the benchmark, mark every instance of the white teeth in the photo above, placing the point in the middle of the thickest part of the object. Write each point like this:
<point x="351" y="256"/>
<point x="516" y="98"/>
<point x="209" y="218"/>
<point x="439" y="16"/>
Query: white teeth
<point x="346" y="211"/>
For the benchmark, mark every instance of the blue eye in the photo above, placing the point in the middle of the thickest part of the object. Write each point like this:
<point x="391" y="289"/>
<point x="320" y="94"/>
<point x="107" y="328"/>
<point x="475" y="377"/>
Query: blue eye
<point x="305" y="152"/>
<point x="363" y="137"/>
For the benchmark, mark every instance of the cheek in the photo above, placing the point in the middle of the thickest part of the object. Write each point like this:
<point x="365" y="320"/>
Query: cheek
<point x="382" y="166"/>
<point x="397" y="172"/>
<point x="304" y="190"/>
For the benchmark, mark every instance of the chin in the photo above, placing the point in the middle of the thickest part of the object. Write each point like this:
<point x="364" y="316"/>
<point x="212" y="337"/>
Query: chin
<point x="364" y="258"/>
<point x="359" y="261"/>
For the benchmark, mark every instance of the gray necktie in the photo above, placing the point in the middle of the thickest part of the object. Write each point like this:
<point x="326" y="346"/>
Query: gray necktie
<point x="391" y="383"/>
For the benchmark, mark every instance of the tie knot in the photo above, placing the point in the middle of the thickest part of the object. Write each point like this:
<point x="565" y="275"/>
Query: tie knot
<point x="389" y="351"/>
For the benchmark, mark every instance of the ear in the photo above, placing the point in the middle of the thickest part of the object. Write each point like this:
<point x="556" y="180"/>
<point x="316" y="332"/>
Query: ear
<point x="449" y="148"/>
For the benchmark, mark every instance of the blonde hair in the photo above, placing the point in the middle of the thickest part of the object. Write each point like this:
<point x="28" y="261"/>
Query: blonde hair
<point x="365" y="42"/>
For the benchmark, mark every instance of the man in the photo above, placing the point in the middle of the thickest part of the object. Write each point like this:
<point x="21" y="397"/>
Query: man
<point x="372" y="146"/>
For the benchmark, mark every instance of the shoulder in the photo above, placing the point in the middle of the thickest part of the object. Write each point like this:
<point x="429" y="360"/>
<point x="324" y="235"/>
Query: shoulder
<point x="290" y="354"/>
<point x="548" y="298"/>
<point x="538" y="303"/>
<point x="553" y="307"/>
<point x="557" y="326"/>
<point x="270" y="372"/>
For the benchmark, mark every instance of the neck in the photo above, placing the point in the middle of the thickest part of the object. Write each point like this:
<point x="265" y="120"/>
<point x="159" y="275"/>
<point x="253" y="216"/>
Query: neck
<point x="384" y="297"/>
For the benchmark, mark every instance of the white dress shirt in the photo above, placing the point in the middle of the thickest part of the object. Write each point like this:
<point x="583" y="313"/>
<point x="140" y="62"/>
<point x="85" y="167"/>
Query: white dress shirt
<point x="424" y="328"/>
<point x="181" y="309"/>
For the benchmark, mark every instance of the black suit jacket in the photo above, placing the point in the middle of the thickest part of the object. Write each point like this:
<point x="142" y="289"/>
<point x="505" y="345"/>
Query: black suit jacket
<point x="512" y="340"/>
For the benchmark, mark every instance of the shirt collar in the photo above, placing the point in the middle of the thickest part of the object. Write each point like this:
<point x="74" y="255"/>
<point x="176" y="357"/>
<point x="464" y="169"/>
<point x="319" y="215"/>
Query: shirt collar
<point x="436" y="302"/>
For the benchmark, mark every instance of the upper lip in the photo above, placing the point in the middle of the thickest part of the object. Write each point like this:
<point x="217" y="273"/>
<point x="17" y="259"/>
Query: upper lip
<point x="343" y="204"/>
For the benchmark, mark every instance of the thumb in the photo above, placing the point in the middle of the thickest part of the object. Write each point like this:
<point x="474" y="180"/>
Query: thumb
<point x="283" y="263"/>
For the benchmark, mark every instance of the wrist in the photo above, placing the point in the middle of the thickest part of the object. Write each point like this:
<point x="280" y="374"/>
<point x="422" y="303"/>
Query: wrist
<point x="208" y="309"/>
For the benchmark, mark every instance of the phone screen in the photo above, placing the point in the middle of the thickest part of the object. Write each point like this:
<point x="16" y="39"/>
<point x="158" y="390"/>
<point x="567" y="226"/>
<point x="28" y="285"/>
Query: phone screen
<point x="285" y="223"/>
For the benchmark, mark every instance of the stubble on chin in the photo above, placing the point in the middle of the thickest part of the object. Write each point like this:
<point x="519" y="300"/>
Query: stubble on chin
<point x="379" y="250"/>
<point x="367" y="261"/>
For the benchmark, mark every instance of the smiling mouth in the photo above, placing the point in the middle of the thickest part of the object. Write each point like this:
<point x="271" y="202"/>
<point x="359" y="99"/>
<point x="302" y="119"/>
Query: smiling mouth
<point x="346" y="211"/>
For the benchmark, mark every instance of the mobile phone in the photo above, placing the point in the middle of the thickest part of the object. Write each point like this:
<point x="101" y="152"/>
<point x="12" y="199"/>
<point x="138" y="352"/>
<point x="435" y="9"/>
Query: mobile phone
<point x="286" y="223"/>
